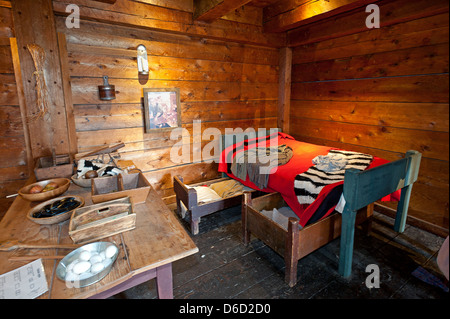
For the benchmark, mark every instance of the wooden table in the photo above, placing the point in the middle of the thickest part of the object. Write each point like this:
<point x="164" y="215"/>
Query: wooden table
<point x="146" y="252"/>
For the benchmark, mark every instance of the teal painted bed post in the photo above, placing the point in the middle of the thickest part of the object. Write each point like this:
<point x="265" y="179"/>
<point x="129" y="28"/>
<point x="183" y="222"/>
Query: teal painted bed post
<point x="348" y="222"/>
<point x="411" y="176"/>
<point x="362" y="188"/>
<point x="234" y="138"/>
<point x="347" y="236"/>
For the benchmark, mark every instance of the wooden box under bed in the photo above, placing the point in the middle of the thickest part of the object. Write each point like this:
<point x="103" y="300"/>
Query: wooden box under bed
<point x="293" y="243"/>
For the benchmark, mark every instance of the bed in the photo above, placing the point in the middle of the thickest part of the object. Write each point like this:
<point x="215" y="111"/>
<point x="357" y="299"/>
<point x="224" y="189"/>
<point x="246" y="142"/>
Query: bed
<point x="309" y="230"/>
<point x="205" y="198"/>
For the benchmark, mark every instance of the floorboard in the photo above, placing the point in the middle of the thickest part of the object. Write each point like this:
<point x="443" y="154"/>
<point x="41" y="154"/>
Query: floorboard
<point x="225" y="269"/>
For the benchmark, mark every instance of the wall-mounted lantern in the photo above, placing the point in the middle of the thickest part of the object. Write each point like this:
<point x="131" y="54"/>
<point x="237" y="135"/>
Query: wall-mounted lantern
<point x="142" y="60"/>
<point x="106" y="91"/>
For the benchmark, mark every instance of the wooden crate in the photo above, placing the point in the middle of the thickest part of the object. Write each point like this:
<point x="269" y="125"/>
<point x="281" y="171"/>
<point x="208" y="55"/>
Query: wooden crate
<point x="99" y="221"/>
<point x="47" y="168"/>
<point x="294" y="242"/>
<point x="108" y="188"/>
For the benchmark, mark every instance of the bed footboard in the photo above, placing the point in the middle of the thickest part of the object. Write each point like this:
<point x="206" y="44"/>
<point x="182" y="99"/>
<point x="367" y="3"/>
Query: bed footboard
<point x="364" y="187"/>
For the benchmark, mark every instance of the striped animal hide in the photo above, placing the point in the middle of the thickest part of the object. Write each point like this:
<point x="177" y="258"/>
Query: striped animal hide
<point x="308" y="185"/>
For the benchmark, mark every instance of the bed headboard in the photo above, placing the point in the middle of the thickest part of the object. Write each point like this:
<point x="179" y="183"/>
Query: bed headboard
<point x="231" y="139"/>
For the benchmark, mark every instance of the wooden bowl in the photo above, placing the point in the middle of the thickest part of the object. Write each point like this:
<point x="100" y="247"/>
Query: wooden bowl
<point x="63" y="183"/>
<point x="82" y="182"/>
<point x="54" y="219"/>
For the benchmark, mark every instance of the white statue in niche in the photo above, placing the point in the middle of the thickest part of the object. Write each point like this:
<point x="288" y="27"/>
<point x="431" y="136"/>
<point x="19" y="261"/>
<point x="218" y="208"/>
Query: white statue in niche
<point x="142" y="60"/>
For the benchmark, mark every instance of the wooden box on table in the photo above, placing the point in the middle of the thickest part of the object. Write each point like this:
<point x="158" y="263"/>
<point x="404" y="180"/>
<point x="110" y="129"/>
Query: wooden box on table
<point x="53" y="167"/>
<point x="99" y="221"/>
<point x="134" y="185"/>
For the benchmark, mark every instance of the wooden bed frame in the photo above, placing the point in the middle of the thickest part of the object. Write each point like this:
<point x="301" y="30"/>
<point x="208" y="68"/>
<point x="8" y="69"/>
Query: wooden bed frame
<point x="292" y="243"/>
<point x="188" y="196"/>
<point x="361" y="190"/>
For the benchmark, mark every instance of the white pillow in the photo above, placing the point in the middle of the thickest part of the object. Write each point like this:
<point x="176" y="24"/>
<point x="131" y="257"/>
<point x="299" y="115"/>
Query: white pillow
<point x="206" y="194"/>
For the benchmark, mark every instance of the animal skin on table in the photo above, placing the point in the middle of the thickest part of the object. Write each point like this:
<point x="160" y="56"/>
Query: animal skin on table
<point x="103" y="169"/>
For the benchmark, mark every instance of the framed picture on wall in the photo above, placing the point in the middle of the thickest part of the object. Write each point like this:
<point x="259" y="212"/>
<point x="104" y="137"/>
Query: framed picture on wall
<point x="162" y="109"/>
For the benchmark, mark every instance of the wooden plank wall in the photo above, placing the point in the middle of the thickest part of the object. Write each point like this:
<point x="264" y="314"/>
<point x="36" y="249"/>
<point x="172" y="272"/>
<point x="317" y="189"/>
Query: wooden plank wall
<point x="224" y="81"/>
<point x="13" y="156"/>
<point x="381" y="91"/>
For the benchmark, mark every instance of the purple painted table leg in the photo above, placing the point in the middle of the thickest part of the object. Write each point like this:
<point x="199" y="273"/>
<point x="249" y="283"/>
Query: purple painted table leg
<point x="164" y="285"/>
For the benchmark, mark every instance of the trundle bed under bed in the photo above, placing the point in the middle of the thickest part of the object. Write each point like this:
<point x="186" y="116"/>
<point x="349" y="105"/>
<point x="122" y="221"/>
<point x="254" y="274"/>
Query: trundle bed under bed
<point x="308" y="231"/>
<point x="201" y="199"/>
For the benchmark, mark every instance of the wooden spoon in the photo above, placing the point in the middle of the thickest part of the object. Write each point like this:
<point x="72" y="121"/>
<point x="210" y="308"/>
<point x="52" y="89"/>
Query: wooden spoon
<point x="33" y="257"/>
<point x="9" y="245"/>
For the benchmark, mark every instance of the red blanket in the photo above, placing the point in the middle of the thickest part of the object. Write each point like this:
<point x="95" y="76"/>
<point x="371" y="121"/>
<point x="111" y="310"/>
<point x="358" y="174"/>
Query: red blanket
<point x="282" y="180"/>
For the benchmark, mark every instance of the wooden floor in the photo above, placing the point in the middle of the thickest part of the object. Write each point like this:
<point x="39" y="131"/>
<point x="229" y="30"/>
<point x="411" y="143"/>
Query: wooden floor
<point x="224" y="268"/>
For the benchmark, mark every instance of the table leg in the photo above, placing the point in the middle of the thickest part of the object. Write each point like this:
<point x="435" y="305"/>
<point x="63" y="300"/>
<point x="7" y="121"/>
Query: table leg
<point x="164" y="283"/>
<point x="132" y="282"/>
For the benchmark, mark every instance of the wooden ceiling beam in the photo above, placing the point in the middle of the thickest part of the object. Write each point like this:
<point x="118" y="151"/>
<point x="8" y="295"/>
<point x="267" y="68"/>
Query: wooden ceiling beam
<point x="210" y="10"/>
<point x="291" y="14"/>
<point x="391" y="12"/>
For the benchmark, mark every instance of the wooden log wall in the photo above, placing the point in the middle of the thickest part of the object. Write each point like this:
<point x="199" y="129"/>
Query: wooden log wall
<point x="224" y="80"/>
<point x="13" y="154"/>
<point x="381" y="91"/>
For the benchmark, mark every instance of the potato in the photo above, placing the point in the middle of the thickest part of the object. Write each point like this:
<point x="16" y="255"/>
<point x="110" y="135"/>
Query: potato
<point x="36" y="189"/>
<point x="91" y="174"/>
<point x="50" y="186"/>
